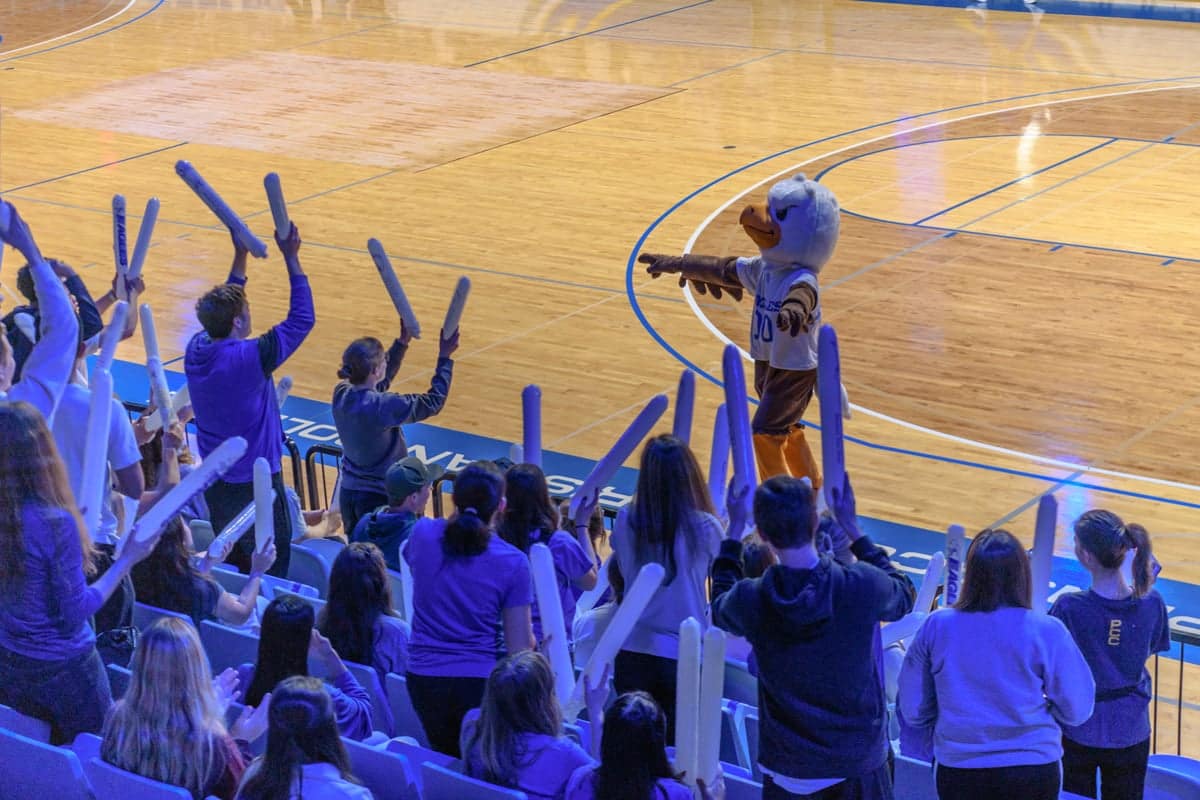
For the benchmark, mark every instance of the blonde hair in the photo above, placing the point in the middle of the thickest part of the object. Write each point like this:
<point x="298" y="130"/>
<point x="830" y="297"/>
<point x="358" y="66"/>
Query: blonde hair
<point x="168" y="726"/>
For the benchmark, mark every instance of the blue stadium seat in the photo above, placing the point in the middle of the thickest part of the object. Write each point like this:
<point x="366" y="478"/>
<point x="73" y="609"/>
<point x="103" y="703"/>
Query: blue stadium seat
<point x="446" y="784"/>
<point x="405" y="721"/>
<point x="86" y="747"/>
<point x="15" y="721"/>
<point x="389" y="775"/>
<point x="308" y="567"/>
<point x="1166" y="784"/>
<point x="397" y="585"/>
<point x="326" y="549"/>
<point x="29" y="768"/>
<point x="316" y="602"/>
<point x="418" y="755"/>
<point x="227" y="647"/>
<point x="740" y="685"/>
<point x="230" y="579"/>
<point x="381" y="711"/>
<point x="1181" y="764"/>
<point x="144" y="615"/>
<point x="914" y="779"/>
<point x="112" y="783"/>
<point x="118" y="680"/>
<point x="202" y="534"/>
<point x="739" y="788"/>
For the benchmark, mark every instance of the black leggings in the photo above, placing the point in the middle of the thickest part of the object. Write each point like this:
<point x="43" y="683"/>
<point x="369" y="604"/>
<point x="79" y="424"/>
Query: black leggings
<point x="225" y="500"/>
<point x="1122" y="770"/>
<point x="441" y="703"/>
<point x="652" y="674"/>
<point x="1036" y="782"/>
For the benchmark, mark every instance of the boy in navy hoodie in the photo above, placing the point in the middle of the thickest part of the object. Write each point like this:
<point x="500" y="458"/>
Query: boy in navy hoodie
<point x="814" y="626"/>
<point x="233" y="393"/>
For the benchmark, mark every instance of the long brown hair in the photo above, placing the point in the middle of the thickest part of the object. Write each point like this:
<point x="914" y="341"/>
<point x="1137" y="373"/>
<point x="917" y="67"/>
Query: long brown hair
<point x="670" y="490"/>
<point x="359" y="594"/>
<point x="997" y="574"/>
<point x="518" y="699"/>
<point x="1108" y="539"/>
<point x="31" y="474"/>
<point x="529" y="515"/>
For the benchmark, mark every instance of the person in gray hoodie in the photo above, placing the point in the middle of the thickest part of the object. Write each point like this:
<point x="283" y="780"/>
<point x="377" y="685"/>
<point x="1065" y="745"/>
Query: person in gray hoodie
<point x="814" y="626"/>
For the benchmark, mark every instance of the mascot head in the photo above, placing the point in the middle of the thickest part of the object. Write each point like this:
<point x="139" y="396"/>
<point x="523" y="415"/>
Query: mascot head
<point x="798" y="226"/>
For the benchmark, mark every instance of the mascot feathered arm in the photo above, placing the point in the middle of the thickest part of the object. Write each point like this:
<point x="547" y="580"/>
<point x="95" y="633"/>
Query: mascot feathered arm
<point x="707" y="274"/>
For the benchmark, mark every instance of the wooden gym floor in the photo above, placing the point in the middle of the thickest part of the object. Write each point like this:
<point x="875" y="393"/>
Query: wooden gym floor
<point x="1013" y="289"/>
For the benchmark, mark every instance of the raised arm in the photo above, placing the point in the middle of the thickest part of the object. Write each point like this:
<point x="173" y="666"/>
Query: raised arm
<point x="49" y="366"/>
<point x="395" y="357"/>
<point x="277" y="344"/>
<point x="400" y="409"/>
<point x="707" y="273"/>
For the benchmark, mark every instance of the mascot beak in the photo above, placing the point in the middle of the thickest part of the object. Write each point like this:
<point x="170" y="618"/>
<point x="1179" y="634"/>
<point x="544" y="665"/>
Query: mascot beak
<point x="756" y="221"/>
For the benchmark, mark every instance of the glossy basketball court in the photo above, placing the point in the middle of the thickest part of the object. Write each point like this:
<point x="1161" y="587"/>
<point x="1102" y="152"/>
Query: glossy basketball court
<point x="1014" y="289"/>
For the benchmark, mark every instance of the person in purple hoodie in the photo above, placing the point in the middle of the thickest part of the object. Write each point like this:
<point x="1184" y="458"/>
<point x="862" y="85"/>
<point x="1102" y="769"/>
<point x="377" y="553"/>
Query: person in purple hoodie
<point x="229" y="376"/>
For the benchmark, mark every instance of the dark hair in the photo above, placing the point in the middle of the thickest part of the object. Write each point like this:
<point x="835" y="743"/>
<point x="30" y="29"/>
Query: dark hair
<point x="616" y="581"/>
<point x="529" y="516"/>
<point x="219" y="308"/>
<point x="1108" y="539"/>
<point x="302" y="729"/>
<point x="282" y="645"/>
<point x="25" y="284"/>
<point x="359" y="594"/>
<point x="360" y="359"/>
<point x="518" y="699"/>
<point x="996" y="574"/>
<point x="670" y="491"/>
<point x="478" y="490"/>
<point x="167" y="578"/>
<point x="633" y="749"/>
<point x="756" y="555"/>
<point x="785" y="512"/>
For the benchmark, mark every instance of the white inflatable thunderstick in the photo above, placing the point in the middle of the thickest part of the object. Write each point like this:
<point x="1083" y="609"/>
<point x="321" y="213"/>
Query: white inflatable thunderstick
<point x="1043" y="552"/>
<point x="264" y="506"/>
<point x="120" y="249"/>
<point x="215" y="464"/>
<point x="283" y="225"/>
<point x="145" y="232"/>
<point x="738" y="414"/>
<point x="457" y="303"/>
<point x="607" y="467"/>
<point x="154" y="366"/>
<point x="956" y="552"/>
<point x="179" y="400"/>
<point x="637" y="597"/>
<point x="236" y="528"/>
<point x="712" y="688"/>
<point x="390" y="282"/>
<point x="687" y="701"/>
<point x="208" y="196"/>
<point x="554" y="629"/>
<point x="718" y="460"/>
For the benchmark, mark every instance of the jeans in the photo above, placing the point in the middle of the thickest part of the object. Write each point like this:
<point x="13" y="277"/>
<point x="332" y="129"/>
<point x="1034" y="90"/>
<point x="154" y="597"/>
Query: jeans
<point x="225" y="500"/>
<point x="1122" y="770"/>
<point x="356" y="504"/>
<point x="441" y="703"/>
<point x="1035" y="782"/>
<point x="72" y="695"/>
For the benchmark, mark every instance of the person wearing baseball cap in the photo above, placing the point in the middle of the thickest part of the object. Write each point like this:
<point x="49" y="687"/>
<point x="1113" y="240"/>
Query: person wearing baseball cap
<point x="409" y="482"/>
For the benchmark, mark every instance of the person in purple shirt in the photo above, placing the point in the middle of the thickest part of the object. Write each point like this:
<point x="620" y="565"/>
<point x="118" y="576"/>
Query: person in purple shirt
<point x="49" y="667"/>
<point x="233" y="393"/>
<point x="515" y="738"/>
<point x="1117" y="627"/>
<point x="466" y="582"/>
<point x="530" y="518"/>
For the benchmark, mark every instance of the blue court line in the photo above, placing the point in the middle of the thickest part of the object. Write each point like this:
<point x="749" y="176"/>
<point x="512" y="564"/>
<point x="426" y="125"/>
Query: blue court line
<point x="581" y="34"/>
<point x="118" y="26"/>
<point x="1074" y="8"/>
<point x="635" y="305"/>
<point x="1003" y="186"/>
<point x="85" y="170"/>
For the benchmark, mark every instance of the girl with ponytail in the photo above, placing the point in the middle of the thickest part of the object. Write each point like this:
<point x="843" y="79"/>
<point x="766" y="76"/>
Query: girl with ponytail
<point x="305" y="757"/>
<point x="1117" y="626"/>
<point x="468" y="583"/>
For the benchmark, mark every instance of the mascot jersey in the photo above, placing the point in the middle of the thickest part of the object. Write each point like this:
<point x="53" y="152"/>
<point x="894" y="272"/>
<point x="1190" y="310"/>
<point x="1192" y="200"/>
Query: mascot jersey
<point x="770" y="286"/>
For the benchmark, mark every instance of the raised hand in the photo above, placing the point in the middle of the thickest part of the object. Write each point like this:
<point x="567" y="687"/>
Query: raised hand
<point x="447" y="345"/>
<point x="792" y="322"/>
<point x="253" y="721"/>
<point x="262" y="561"/>
<point x="225" y="686"/>
<point x="290" y="245"/>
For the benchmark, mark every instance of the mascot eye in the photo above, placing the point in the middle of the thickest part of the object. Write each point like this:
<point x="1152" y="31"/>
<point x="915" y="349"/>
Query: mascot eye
<point x="782" y="214"/>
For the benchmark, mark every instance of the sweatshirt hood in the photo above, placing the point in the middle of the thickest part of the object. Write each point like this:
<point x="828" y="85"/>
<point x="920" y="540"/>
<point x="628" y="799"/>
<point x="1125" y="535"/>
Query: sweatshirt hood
<point x="799" y="600"/>
<point x="202" y="352"/>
